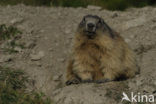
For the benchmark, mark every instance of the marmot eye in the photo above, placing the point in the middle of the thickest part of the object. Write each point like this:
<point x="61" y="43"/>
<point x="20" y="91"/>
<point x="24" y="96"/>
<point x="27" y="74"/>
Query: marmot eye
<point x="99" y="21"/>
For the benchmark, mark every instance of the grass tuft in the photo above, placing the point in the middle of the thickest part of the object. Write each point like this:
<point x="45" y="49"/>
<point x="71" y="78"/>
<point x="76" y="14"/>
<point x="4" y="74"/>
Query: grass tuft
<point x="8" y="32"/>
<point x="13" y="89"/>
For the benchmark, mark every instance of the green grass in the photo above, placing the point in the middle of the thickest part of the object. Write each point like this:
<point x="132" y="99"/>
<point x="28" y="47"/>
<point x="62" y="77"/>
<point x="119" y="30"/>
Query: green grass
<point x="107" y="4"/>
<point x="10" y="33"/>
<point x="26" y="2"/>
<point x="10" y="47"/>
<point x="115" y="4"/>
<point x="13" y="89"/>
<point x="70" y="3"/>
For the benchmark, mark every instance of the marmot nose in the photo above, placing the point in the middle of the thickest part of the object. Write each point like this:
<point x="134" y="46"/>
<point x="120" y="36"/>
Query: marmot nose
<point x="90" y="25"/>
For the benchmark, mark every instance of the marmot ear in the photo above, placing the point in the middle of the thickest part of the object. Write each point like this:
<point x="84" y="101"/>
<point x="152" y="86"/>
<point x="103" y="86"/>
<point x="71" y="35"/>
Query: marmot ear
<point x="82" y="21"/>
<point x="84" y="18"/>
<point x="102" y="21"/>
<point x="108" y="28"/>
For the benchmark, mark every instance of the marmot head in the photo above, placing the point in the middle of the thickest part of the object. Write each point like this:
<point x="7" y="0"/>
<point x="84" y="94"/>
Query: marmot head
<point x="91" y="25"/>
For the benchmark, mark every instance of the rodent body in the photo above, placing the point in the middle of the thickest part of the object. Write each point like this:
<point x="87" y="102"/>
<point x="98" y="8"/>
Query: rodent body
<point x="99" y="57"/>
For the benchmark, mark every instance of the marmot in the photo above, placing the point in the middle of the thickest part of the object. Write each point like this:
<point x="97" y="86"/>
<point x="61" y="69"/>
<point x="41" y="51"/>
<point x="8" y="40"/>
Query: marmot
<point x="99" y="54"/>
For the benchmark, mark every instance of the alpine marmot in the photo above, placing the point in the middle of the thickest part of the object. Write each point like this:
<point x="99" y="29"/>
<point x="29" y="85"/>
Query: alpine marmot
<point x="99" y="54"/>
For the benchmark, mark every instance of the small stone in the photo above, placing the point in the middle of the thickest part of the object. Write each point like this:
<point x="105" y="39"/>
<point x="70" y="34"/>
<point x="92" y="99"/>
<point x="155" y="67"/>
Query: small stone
<point x="59" y="13"/>
<point x="46" y="38"/>
<point x="67" y="31"/>
<point x="42" y="31"/>
<point x="8" y="6"/>
<point x="17" y="20"/>
<point x="56" y="78"/>
<point x="5" y="58"/>
<point x="37" y="56"/>
<point x="70" y="38"/>
<point x="56" y="44"/>
<point x="62" y="60"/>
<point x="51" y="49"/>
<point x="155" y="83"/>
<point x="127" y="40"/>
<point x="18" y="49"/>
<point x="149" y="89"/>
<point x="92" y="7"/>
<point x="114" y="15"/>
<point x="39" y="64"/>
<point x="37" y="36"/>
<point x="134" y="23"/>
<point x="30" y="44"/>
<point x="132" y="36"/>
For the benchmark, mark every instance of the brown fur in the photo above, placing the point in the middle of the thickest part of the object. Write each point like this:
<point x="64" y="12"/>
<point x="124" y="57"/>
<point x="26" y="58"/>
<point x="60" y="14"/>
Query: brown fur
<point x="100" y="59"/>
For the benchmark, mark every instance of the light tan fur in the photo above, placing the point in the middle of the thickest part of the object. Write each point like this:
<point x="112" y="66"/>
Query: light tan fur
<point x="99" y="59"/>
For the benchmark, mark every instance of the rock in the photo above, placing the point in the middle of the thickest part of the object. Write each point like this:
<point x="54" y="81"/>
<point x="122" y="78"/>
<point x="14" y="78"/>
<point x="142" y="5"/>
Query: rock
<point x="56" y="78"/>
<point x="148" y="89"/>
<point x="56" y="44"/>
<point x="37" y="56"/>
<point x="62" y="60"/>
<point x="67" y="31"/>
<point x="46" y="38"/>
<point x="51" y="49"/>
<point x="18" y="49"/>
<point x="37" y="36"/>
<point x="17" y="21"/>
<point x="82" y="94"/>
<point x="114" y="15"/>
<point x="38" y="64"/>
<point x="92" y="7"/>
<point x="134" y="23"/>
<point x="42" y="31"/>
<point x="30" y="44"/>
<point x="132" y="36"/>
<point x="155" y="83"/>
<point x="127" y="40"/>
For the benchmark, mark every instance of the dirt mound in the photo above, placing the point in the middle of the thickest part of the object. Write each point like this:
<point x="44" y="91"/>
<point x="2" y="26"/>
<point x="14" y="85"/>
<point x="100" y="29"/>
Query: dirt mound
<point x="47" y="37"/>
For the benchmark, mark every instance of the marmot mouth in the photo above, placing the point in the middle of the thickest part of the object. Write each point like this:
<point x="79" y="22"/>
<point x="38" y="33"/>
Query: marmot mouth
<point x="90" y="33"/>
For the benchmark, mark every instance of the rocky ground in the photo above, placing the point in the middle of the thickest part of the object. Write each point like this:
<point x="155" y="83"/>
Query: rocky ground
<point x="47" y="38"/>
